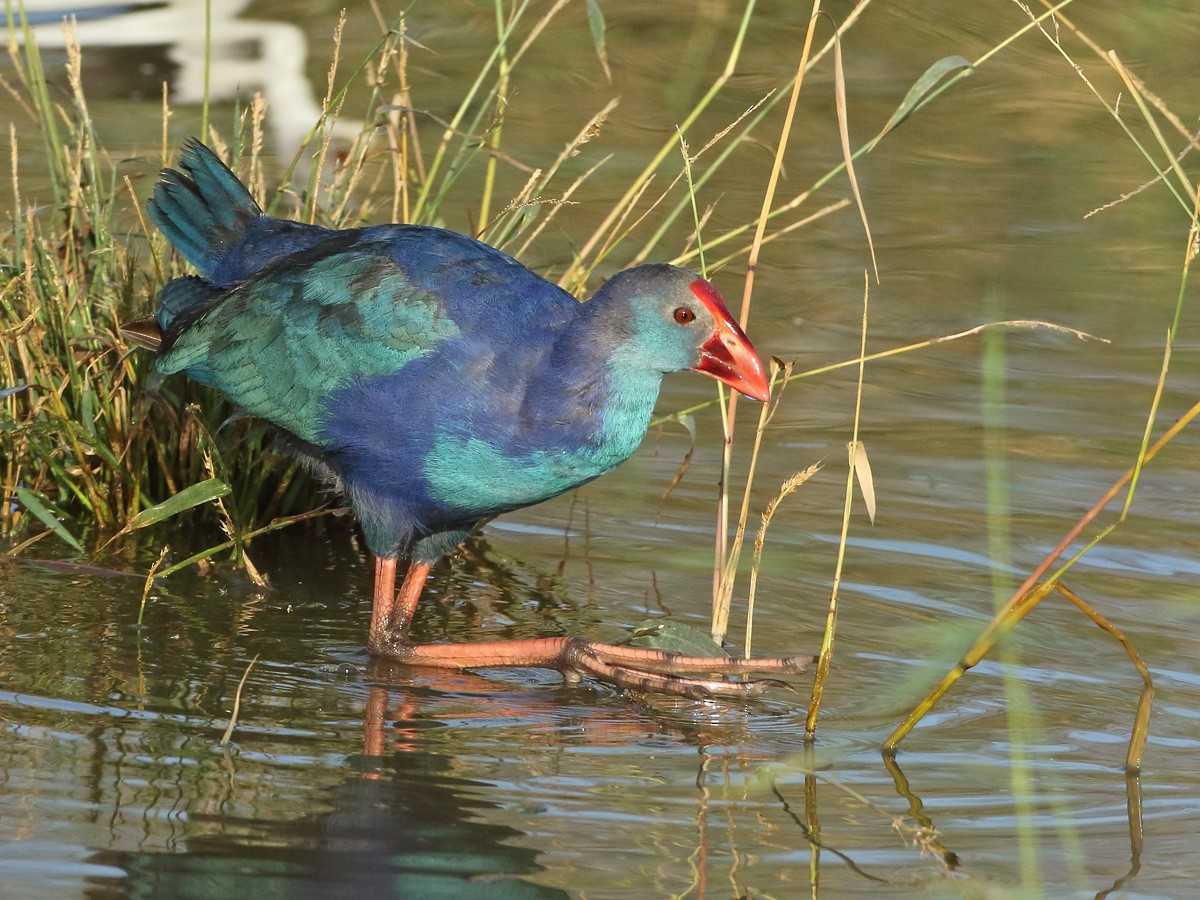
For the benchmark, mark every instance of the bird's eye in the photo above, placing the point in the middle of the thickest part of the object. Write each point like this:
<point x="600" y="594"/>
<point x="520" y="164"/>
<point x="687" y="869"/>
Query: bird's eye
<point x="683" y="315"/>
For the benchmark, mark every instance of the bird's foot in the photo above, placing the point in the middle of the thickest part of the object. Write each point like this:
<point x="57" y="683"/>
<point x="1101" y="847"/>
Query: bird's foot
<point x="633" y="668"/>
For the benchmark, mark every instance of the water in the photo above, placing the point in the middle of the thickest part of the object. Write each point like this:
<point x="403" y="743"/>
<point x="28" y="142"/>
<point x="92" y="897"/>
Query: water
<point x="347" y="776"/>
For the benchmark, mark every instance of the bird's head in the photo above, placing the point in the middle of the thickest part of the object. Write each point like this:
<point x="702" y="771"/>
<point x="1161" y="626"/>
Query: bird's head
<point x="675" y="320"/>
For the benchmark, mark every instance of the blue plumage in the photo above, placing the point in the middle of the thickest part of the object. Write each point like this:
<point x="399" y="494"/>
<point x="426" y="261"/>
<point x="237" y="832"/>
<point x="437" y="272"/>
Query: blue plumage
<point x="438" y="380"/>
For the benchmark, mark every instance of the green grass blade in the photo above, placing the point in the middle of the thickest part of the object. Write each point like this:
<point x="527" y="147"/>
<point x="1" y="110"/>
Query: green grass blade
<point x="30" y="501"/>
<point x="192" y="495"/>
<point x="596" y="24"/>
<point x="922" y="86"/>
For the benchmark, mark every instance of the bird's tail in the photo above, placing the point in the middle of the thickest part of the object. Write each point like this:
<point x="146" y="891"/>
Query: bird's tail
<point x="202" y="207"/>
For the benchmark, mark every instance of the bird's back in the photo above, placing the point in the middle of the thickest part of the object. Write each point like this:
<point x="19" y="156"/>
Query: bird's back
<point x="284" y="314"/>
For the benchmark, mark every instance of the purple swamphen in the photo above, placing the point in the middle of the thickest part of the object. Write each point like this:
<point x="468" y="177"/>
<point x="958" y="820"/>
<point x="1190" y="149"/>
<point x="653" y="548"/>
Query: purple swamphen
<point x="436" y="382"/>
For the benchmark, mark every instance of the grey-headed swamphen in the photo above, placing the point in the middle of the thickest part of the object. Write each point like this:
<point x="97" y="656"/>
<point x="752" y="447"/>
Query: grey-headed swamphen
<point x="437" y="382"/>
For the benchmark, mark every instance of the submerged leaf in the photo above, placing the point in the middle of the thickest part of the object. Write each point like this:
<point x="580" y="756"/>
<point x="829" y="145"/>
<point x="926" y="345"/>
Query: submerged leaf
<point x="675" y="637"/>
<point x="923" y="86"/>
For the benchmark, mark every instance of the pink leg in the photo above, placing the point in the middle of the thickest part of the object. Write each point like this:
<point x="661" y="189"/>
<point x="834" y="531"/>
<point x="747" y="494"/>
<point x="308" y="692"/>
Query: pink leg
<point x="634" y="668"/>
<point x="653" y="671"/>
<point x="392" y="611"/>
<point x="384" y="598"/>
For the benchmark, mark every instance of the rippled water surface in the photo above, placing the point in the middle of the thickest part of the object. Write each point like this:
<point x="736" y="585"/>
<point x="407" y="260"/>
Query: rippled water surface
<point x="348" y="777"/>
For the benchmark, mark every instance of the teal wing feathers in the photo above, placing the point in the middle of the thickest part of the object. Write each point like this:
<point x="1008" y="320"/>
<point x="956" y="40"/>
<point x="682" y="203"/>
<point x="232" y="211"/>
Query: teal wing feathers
<point x="279" y="344"/>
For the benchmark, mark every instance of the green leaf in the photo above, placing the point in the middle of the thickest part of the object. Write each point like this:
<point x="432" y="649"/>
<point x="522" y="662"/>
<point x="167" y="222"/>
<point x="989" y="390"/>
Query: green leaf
<point x="924" y="85"/>
<point x="675" y="637"/>
<point x="190" y="496"/>
<point x="30" y="501"/>
<point x="596" y="23"/>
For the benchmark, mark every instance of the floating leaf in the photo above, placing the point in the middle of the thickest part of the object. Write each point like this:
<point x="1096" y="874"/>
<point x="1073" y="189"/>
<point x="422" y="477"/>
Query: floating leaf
<point x="862" y="471"/>
<point x="30" y="501"/>
<point x="596" y="23"/>
<point x="924" y="85"/>
<point x="675" y="637"/>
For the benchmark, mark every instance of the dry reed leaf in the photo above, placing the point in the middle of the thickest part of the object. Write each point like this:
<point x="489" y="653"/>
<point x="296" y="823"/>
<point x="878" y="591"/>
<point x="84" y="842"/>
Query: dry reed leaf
<point x="596" y="24"/>
<point x="237" y="703"/>
<point x="839" y="95"/>
<point x="760" y="539"/>
<point x="862" y="471"/>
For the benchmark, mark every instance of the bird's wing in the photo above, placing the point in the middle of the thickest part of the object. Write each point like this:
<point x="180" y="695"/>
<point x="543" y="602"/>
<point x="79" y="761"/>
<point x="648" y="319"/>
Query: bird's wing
<point x="278" y="344"/>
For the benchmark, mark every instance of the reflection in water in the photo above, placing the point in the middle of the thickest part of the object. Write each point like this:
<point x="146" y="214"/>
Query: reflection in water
<point x="1133" y="809"/>
<point x="927" y="837"/>
<point x="248" y="56"/>
<point x="401" y="827"/>
<point x="395" y="725"/>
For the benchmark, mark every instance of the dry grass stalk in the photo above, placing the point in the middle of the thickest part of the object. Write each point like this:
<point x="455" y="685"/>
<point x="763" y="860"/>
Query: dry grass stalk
<point x="785" y="490"/>
<point x="825" y="657"/>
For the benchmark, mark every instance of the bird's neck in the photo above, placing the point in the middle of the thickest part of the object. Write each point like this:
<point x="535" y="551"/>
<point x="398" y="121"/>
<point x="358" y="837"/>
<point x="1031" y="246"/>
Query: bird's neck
<point x="624" y="416"/>
<point x="601" y="394"/>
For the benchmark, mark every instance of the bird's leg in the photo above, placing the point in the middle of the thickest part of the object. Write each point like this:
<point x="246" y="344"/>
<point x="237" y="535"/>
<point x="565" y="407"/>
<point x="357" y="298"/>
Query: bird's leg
<point x="384" y="598"/>
<point x="391" y="610"/>
<point x="635" y="668"/>
<point x="406" y="599"/>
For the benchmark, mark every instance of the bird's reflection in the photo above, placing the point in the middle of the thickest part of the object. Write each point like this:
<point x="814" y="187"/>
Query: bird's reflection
<point x="400" y="824"/>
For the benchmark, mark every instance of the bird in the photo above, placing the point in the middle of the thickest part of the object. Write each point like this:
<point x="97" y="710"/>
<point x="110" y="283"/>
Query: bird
<point x="436" y="382"/>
